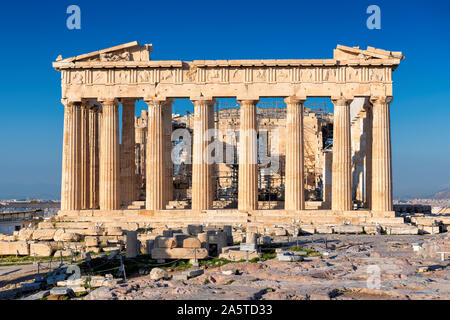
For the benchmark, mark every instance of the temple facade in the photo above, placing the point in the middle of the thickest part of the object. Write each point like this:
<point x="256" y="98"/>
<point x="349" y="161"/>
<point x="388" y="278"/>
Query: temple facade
<point x="104" y="170"/>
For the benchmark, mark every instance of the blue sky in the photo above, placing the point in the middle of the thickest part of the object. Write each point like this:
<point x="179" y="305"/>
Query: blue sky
<point x="34" y="33"/>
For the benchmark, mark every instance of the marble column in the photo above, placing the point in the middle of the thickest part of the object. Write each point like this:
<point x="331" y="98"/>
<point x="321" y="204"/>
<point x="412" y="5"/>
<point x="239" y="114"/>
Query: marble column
<point x="93" y="159"/>
<point x="109" y="156"/>
<point x="341" y="192"/>
<point x="367" y="127"/>
<point x="327" y="178"/>
<point x="141" y="138"/>
<point x="381" y="155"/>
<point x="155" y="165"/>
<point x="202" y="166"/>
<point x="128" y="165"/>
<point x="294" y="182"/>
<point x="167" y="127"/>
<point x="248" y="157"/>
<point x="70" y="184"/>
<point x="85" y="161"/>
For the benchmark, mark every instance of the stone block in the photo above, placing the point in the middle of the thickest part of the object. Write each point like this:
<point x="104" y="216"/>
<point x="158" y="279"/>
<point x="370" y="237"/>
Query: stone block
<point x="40" y="249"/>
<point x="25" y="234"/>
<point x="179" y="238"/>
<point x="288" y="257"/>
<point x="114" y="231"/>
<point x="348" y="229"/>
<point x="323" y="229"/>
<point x="8" y="248"/>
<point x="194" y="229"/>
<point x="46" y="225"/>
<point x="371" y="229"/>
<point x="179" y="277"/>
<point x="191" y="242"/>
<point x="194" y="273"/>
<point x="62" y="252"/>
<point x="165" y="242"/>
<point x="179" y="253"/>
<point x="237" y="255"/>
<point x="62" y="291"/>
<point x="132" y="247"/>
<point x="158" y="274"/>
<point x="7" y="237"/>
<point x="402" y="230"/>
<point x="61" y="235"/>
<point x="429" y="229"/>
<point x="43" y="234"/>
<point x="91" y="241"/>
<point x="30" y="287"/>
<point x="307" y="229"/>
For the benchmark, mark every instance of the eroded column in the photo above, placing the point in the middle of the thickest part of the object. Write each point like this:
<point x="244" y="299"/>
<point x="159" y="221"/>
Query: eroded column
<point x="128" y="165"/>
<point x="85" y="161"/>
<point x="341" y="194"/>
<point x="93" y="158"/>
<point x="248" y="157"/>
<point x="109" y="156"/>
<point x="294" y="185"/>
<point x="155" y="165"/>
<point x="70" y="184"/>
<point x="202" y="167"/>
<point x="381" y="155"/>
<point x="167" y="123"/>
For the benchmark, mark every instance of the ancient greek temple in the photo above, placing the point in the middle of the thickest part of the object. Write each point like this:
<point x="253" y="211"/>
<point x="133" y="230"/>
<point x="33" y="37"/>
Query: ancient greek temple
<point x="100" y="171"/>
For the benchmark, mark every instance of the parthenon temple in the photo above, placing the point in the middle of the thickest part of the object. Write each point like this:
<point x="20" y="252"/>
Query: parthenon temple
<point x="317" y="162"/>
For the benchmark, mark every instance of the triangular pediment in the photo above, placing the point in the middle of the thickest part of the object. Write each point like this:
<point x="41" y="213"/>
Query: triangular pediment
<point x="130" y="51"/>
<point x="351" y="53"/>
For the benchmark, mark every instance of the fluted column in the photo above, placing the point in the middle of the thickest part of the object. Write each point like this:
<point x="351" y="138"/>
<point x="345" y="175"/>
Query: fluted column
<point x="381" y="155"/>
<point x="367" y="127"/>
<point x="294" y="191"/>
<point x="70" y="184"/>
<point x="167" y="124"/>
<point x="341" y="191"/>
<point x="202" y="167"/>
<point x="84" y="163"/>
<point x="155" y="164"/>
<point x="109" y="157"/>
<point x="248" y="157"/>
<point x="141" y="138"/>
<point x="93" y="159"/>
<point x="128" y="165"/>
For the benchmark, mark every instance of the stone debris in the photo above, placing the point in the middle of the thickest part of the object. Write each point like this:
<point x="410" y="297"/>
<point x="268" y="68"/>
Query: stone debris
<point x="158" y="274"/>
<point x="288" y="256"/>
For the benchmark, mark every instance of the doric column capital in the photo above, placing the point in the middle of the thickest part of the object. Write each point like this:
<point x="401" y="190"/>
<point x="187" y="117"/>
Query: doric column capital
<point x="381" y="99"/>
<point x="70" y="103"/>
<point x="199" y="100"/>
<point x="158" y="101"/>
<point x="248" y="101"/>
<point x="341" y="101"/>
<point x="294" y="99"/>
<point x="108" y="101"/>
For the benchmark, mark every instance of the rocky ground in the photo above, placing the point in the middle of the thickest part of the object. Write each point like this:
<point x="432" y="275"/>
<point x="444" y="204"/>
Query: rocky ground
<point x="347" y="267"/>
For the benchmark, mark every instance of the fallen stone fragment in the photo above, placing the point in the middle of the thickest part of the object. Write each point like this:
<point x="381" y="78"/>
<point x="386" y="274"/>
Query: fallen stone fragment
<point x="179" y="277"/>
<point x="37" y="296"/>
<point x="62" y="291"/>
<point x="194" y="273"/>
<point x="158" y="274"/>
<point x="31" y="286"/>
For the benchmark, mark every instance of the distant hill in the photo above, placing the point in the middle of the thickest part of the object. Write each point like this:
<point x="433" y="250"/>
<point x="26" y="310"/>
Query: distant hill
<point x="444" y="194"/>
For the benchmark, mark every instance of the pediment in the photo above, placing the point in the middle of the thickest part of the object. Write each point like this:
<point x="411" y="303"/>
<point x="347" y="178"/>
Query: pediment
<point x="351" y="53"/>
<point x="130" y="51"/>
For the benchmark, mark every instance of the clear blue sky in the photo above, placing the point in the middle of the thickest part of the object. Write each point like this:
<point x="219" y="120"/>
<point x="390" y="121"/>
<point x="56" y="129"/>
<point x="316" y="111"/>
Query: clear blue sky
<point x="34" y="33"/>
